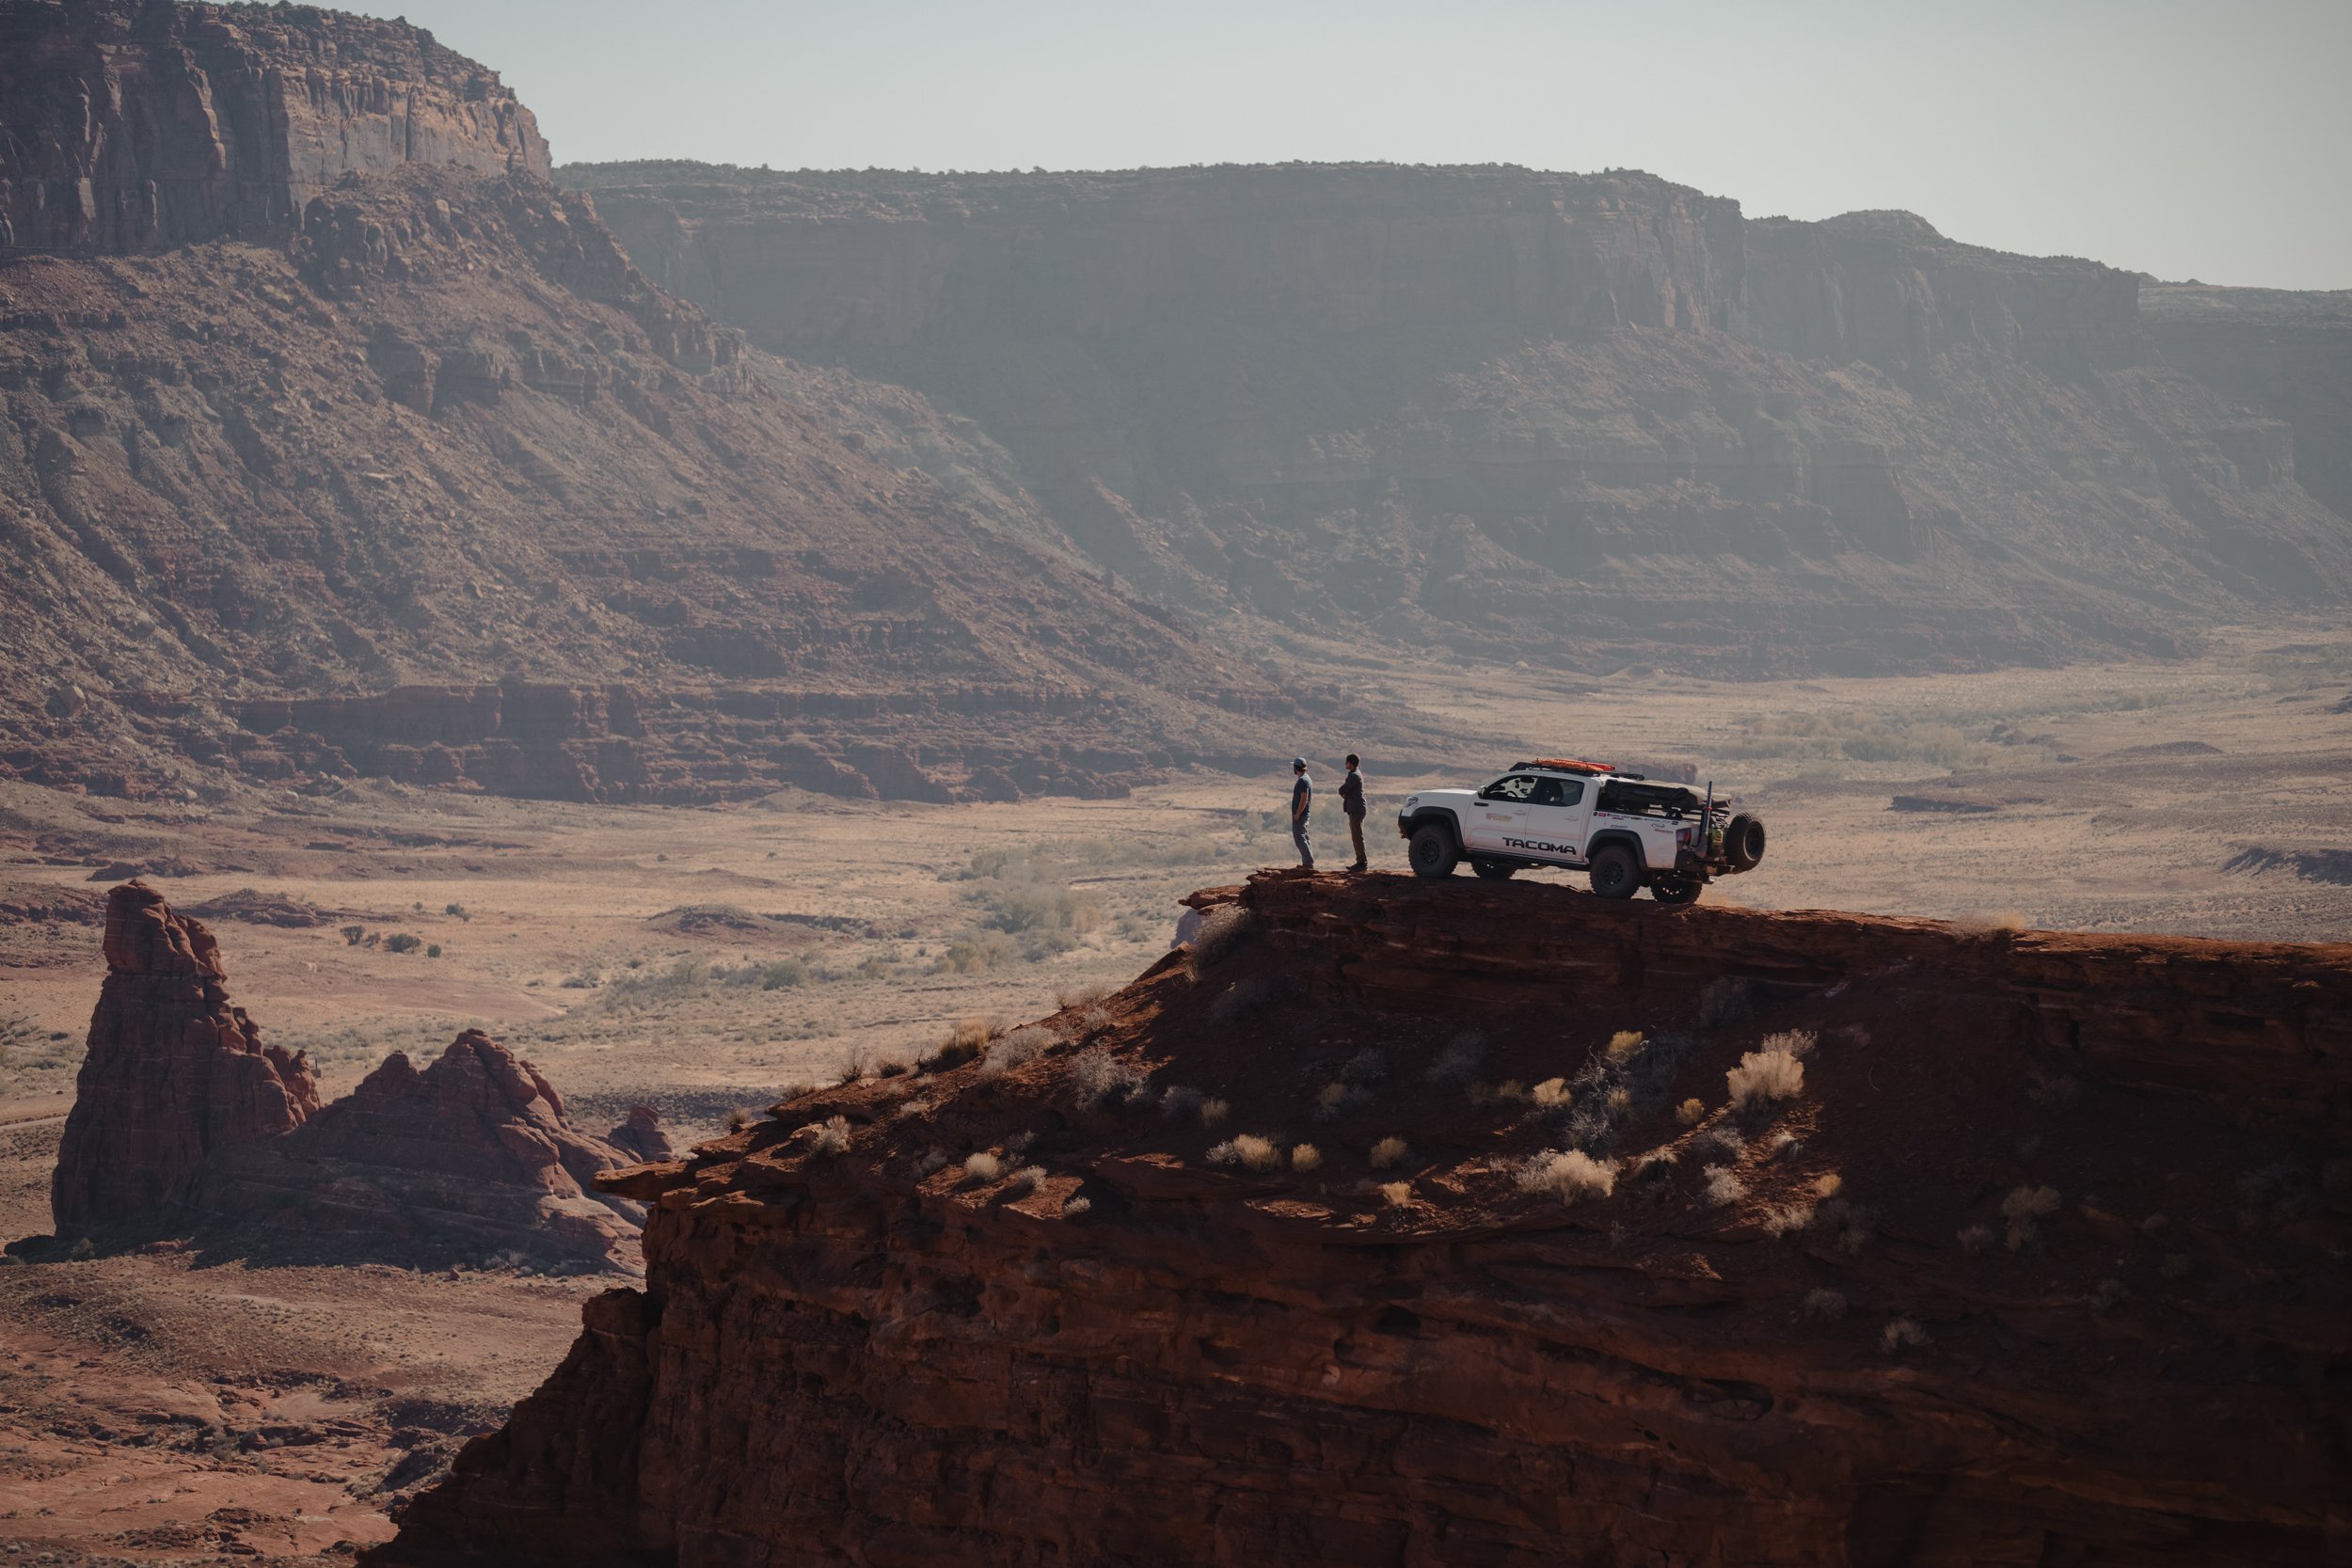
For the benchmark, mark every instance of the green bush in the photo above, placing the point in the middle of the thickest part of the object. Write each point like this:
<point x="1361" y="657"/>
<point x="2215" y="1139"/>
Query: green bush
<point x="400" y="941"/>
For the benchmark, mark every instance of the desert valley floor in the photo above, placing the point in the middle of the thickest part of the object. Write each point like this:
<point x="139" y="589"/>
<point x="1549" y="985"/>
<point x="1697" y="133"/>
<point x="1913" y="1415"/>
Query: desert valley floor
<point x="158" y="1406"/>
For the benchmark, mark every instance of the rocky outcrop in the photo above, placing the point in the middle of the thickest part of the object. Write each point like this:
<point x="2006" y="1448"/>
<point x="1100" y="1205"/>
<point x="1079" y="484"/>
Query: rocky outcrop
<point x="470" y="1158"/>
<point x="2285" y="355"/>
<point x="640" y="1136"/>
<point x="1604" y="416"/>
<point x="173" y="1075"/>
<point x="185" y="1122"/>
<point x="133" y="125"/>
<point x="1462" y="1224"/>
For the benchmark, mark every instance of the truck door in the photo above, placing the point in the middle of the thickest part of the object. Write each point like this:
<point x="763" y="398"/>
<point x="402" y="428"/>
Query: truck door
<point x="1557" y="815"/>
<point x="1498" y="812"/>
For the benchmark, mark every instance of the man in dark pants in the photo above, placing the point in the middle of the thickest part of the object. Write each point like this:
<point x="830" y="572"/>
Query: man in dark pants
<point x="1352" y="802"/>
<point x="1302" y="801"/>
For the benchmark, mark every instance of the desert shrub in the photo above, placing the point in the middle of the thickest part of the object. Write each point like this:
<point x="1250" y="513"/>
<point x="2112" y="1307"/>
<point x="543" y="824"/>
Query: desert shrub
<point x="1023" y="1044"/>
<point x="1828" y="1185"/>
<point x="1017" y="1144"/>
<point x="1624" y="1043"/>
<point x="1101" y="1079"/>
<point x="1073" y="1206"/>
<point x="1853" y="1223"/>
<point x="1781" y="1143"/>
<point x="1222" y="930"/>
<point x="1901" y="1333"/>
<point x="1306" y="1157"/>
<point x="977" y="952"/>
<point x="1180" y="1100"/>
<point x="1029" y="1178"/>
<point x="1766" y="1075"/>
<point x="783" y="974"/>
<point x="932" y="1160"/>
<point x="1722" y="1138"/>
<point x="1724" y="1000"/>
<point x="400" y="941"/>
<point x="1082" y="994"/>
<point x="1691" y="1113"/>
<point x="1552" y="1094"/>
<point x="741" y="1117"/>
<point x="2156" y="1225"/>
<point x="1780" y="1219"/>
<point x="1396" y="1195"/>
<point x="2110" y="1294"/>
<point x="1568" y="1174"/>
<point x="1722" y="1185"/>
<point x="84" y="1250"/>
<point x="2025" y="1208"/>
<point x="1824" y="1305"/>
<point x="1974" y="1238"/>
<point x="1246" y="1150"/>
<point x="1214" y="1112"/>
<point x="1650" y="1165"/>
<point x="1339" y="1100"/>
<point x="831" y="1137"/>
<point x="1390" y="1151"/>
<point x="1796" y="1042"/>
<point x="890" y="1067"/>
<point x="1619" y="1101"/>
<point x="1367" y="1067"/>
<point x="432" y="950"/>
<point x="351" y="934"/>
<point x="982" y="1168"/>
<point x="456" y="909"/>
<point x="1461" y="1059"/>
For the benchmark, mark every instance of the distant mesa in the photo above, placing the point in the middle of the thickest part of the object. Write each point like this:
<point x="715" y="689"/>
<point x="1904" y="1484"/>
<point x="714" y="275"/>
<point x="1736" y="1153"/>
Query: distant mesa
<point x="185" y="1122"/>
<point x="2313" y="865"/>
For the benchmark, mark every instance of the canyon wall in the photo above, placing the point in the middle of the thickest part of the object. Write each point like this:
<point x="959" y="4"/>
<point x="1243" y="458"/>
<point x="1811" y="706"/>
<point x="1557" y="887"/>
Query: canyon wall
<point x="2285" y="354"/>
<point x="429" y="483"/>
<point x="133" y="125"/>
<point x="1602" y="415"/>
<point x="1402" y="1223"/>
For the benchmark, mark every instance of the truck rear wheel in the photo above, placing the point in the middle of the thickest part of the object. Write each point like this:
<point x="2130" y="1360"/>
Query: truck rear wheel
<point x="1432" y="852"/>
<point x="1676" y="891"/>
<point x="1615" y="873"/>
<point x="1492" y="871"/>
<point x="1744" y="841"/>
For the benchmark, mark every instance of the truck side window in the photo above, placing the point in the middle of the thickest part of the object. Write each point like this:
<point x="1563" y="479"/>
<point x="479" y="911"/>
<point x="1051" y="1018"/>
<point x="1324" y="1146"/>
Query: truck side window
<point x="1516" y="786"/>
<point x="1558" y="792"/>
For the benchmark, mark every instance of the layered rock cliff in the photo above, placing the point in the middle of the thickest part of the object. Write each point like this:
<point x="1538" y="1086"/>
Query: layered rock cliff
<point x="185" y="1122"/>
<point x="1597" y="416"/>
<point x="420" y="478"/>
<point x="1439" y="1223"/>
<point x="133" y="125"/>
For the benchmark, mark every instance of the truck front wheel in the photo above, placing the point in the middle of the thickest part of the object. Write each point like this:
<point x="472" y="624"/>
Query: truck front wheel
<point x="1615" y="873"/>
<point x="1432" y="852"/>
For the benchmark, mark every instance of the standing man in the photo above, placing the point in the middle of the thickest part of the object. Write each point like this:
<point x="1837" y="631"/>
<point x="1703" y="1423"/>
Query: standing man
<point x="1352" y="802"/>
<point x="1302" y="800"/>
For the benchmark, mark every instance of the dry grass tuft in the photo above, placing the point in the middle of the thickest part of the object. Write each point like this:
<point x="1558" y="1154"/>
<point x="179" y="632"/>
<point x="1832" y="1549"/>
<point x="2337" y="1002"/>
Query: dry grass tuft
<point x="1341" y="1098"/>
<point x="1624" y="1044"/>
<point x="981" y="1168"/>
<point x="1899" y="1335"/>
<point x="1691" y="1113"/>
<point x="1797" y="1042"/>
<point x="1782" y="1218"/>
<point x="1828" y="1185"/>
<point x="1222" y="930"/>
<point x="1724" y="1000"/>
<point x="1723" y="1138"/>
<point x="2110" y="1294"/>
<point x="1974" y="1238"/>
<point x="1396" y="1193"/>
<point x="1025" y="1044"/>
<point x="1461" y="1059"/>
<point x="1306" y="1157"/>
<point x="1214" y="1112"/>
<point x="1824" y="1305"/>
<point x="1073" y="1205"/>
<point x="1029" y="1178"/>
<point x="1650" y="1166"/>
<point x="1619" y="1101"/>
<point x="1771" y="1073"/>
<point x="1081" y="995"/>
<point x="1552" y="1094"/>
<point x="1569" y="1175"/>
<point x="932" y="1160"/>
<point x="828" y="1138"/>
<point x="743" y="1117"/>
<point x="1101" y="1079"/>
<point x="2025" y="1208"/>
<point x="1389" y="1153"/>
<point x="1723" y="1185"/>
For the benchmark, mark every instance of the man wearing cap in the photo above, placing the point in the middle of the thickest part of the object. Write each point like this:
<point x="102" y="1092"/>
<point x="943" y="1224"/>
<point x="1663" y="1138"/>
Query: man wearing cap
<point x="1302" y="801"/>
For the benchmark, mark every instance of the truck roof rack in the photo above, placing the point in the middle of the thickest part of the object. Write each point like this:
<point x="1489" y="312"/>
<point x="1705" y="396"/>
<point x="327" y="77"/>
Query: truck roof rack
<point x="1570" y="765"/>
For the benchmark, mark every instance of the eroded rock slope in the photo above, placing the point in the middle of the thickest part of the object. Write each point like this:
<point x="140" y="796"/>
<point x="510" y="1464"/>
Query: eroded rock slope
<point x="1411" y="1224"/>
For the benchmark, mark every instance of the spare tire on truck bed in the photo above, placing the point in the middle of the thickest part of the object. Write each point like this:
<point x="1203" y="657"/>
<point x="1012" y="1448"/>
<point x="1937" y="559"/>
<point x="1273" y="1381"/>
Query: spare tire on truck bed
<point x="1744" y="841"/>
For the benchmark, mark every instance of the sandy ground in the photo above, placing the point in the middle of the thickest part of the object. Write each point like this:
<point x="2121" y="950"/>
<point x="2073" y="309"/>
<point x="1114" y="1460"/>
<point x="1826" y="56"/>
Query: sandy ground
<point x="154" y="1410"/>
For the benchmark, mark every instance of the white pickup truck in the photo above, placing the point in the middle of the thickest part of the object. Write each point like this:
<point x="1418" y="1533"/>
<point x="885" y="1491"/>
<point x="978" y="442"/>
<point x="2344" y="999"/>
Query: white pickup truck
<point x="1627" y="833"/>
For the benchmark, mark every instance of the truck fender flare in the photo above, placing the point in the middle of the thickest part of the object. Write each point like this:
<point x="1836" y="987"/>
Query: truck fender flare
<point x="1618" y="835"/>
<point x="1437" y="814"/>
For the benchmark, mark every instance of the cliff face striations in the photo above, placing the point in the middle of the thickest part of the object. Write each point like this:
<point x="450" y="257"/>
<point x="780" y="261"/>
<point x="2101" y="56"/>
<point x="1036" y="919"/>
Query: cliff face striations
<point x="183" y="1122"/>
<point x="1411" y="1224"/>
<point x="135" y="125"/>
<point x="1598" y="416"/>
<point x="403" y="470"/>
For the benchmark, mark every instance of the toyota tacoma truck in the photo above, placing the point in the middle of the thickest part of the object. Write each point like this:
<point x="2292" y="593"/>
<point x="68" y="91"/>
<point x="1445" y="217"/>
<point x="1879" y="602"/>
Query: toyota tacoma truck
<point x="1624" y="832"/>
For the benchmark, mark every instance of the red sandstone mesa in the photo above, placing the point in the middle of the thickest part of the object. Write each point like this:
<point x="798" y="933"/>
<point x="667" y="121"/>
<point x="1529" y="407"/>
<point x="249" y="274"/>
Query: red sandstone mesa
<point x="184" y="1119"/>
<point x="2036" y="1259"/>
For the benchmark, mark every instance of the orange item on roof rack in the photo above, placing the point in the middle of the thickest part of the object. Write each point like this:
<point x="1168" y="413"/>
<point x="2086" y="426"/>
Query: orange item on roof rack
<point x="1569" y="765"/>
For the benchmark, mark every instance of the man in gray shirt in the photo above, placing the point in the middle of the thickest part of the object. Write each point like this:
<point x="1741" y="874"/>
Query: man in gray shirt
<point x="1302" y="801"/>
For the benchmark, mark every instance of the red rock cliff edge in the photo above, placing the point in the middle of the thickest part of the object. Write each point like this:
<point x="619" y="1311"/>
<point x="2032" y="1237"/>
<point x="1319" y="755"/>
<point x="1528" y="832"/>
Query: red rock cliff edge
<point x="1454" y="1224"/>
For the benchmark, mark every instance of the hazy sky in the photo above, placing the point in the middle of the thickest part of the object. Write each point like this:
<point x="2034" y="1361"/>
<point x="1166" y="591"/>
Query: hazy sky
<point x="2209" y="140"/>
